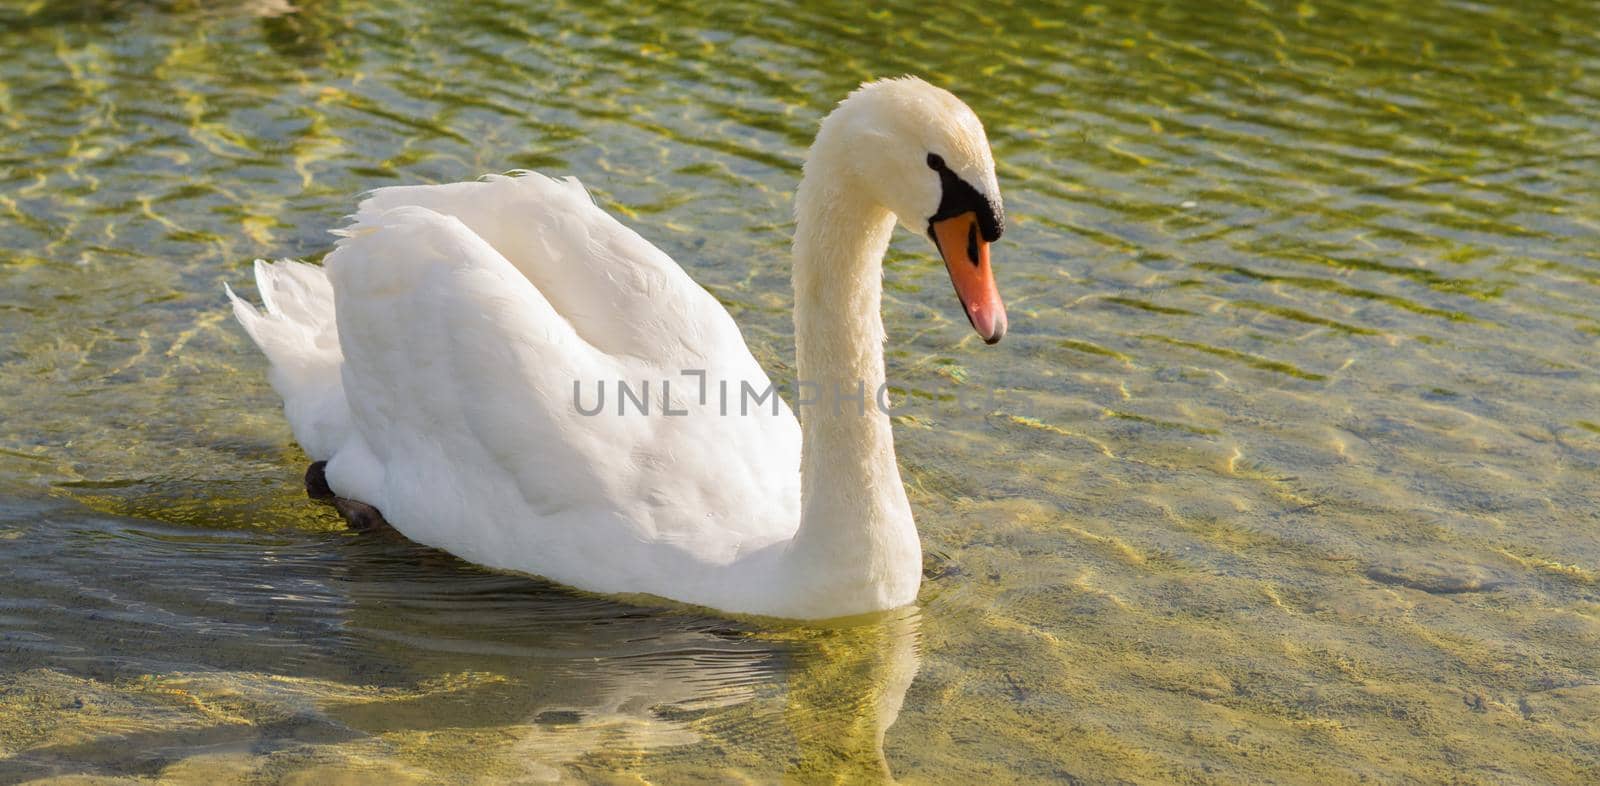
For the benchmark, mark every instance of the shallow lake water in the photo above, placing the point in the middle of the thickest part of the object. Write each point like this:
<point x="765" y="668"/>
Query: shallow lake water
<point x="1289" y="469"/>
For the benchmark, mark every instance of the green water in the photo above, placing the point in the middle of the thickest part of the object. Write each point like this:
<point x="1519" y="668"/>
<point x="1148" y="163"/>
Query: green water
<point x="1287" y="471"/>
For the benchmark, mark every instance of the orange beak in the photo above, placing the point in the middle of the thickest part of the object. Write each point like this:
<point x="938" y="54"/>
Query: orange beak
<point x="966" y="256"/>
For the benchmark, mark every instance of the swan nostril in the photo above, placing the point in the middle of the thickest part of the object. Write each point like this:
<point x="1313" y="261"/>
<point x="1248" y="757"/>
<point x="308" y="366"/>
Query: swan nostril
<point x="972" y="244"/>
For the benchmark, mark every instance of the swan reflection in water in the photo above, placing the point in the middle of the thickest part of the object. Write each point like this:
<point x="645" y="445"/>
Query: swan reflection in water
<point x="360" y="657"/>
<point x="583" y="685"/>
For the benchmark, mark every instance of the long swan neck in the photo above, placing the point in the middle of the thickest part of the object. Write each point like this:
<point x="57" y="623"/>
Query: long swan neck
<point x="854" y="514"/>
<point x="838" y="287"/>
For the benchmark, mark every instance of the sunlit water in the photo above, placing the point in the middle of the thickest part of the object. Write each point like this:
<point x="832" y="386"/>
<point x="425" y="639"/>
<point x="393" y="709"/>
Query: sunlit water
<point x="1287" y="470"/>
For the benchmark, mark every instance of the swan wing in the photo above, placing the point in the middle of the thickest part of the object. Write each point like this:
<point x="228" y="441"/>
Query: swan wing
<point x="618" y="291"/>
<point x="462" y="374"/>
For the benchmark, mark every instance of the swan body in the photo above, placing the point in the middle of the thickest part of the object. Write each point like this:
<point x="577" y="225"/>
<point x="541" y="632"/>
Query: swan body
<point x="447" y="358"/>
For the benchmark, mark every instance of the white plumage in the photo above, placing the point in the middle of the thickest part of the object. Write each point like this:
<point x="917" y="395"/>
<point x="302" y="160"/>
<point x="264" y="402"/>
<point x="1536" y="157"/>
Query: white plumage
<point x="432" y="361"/>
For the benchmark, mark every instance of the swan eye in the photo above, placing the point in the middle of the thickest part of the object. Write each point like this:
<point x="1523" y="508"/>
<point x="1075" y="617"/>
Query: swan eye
<point x="957" y="196"/>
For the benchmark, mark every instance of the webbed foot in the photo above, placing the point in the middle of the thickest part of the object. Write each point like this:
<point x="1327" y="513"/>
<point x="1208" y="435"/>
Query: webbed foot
<point x="358" y="515"/>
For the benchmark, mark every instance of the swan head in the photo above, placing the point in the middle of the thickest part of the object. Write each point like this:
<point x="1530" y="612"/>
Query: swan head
<point x="921" y="153"/>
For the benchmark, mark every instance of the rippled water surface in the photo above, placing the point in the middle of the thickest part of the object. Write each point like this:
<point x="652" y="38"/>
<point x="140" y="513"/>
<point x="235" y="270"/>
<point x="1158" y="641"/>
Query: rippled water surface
<point x="1288" y="469"/>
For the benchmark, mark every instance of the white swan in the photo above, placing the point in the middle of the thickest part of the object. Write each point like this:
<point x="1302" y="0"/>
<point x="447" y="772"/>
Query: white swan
<point x="442" y="358"/>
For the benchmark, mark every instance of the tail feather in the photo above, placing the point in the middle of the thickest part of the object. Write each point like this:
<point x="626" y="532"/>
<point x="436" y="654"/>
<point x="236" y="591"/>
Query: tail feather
<point x="299" y="336"/>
